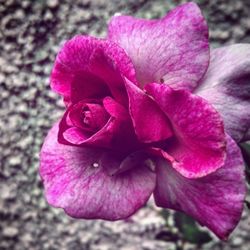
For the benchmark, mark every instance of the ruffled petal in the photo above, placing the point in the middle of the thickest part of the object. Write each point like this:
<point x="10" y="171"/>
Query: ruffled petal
<point x="87" y="67"/>
<point x="75" y="135"/>
<point x="171" y="49"/>
<point x="216" y="200"/>
<point x="87" y="116"/>
<point x="110" y="136"/>
<point x="150" y="123"/>
<point x="72" y="135"/>
<point x="199" y="143"/>
<point x="226" y="85"/>
<point x="115" y="109"/>
<point x="76" y="180"/>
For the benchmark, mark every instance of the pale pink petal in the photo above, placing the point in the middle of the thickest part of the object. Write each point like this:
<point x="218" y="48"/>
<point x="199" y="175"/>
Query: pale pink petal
<point x="226" y="85"/>
<point x="76" y="180"/>
<point x="172" y="49"/>
<point x="216" y="200"/>
<point x="199" y="143"/>
<point x="150" y="123"/>
<point x="76" y="72"/>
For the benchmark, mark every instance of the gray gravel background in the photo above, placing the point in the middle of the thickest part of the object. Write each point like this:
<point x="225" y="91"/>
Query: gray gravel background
<point x="30" y="35"/>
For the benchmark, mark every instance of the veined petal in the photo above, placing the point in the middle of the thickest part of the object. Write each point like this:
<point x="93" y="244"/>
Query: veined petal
<point x="76" y="180"/>
<point x="226" y="85"/>
<point x="199" y="143"/>
<point x="216" y="200"/>
<point x="150" y="122"/>
<point x="83" y="65"/>
<point x="172" y="49"/>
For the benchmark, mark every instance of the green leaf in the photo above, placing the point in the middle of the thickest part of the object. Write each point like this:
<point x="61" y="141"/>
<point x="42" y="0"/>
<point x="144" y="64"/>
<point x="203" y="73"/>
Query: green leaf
<point x="190" y="230"/>
<point x="167" y="235"/>
<point x="165" y="214"/>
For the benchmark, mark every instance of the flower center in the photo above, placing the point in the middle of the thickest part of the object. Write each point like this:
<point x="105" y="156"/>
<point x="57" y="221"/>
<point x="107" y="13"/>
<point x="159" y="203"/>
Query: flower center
<point x="86" y="117"/>
<point x="93" y="116"/>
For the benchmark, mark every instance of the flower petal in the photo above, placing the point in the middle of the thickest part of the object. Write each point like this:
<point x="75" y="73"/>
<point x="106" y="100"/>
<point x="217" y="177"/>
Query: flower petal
<point x="71" y="135"/>
<point x="76" y="72"/>
<point x="199" y="143"/>
<point x="216" y="200"/>
<point x="171" y="49"/>
<point x="75" y="135"/>
<point x="76" y="181"/>
<point x="115" y="109"/>
<point x="226" y="85"/>
<point x="87" y="116"/>
<point x="110" y="136"/>
<point x="150" y="123"/>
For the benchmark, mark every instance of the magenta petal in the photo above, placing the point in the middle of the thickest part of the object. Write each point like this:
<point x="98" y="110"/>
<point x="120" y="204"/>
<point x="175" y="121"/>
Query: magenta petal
<point x="72" y="73"/>
<point x="110" y="136"/>
<point x="87" y="116"/>
<point x="69" y="135"/>
<point x="76" y="181"/>
<point x="172" y="49"/>
<point x="216" y="200"/>
<point x="94" y="115"/>
<point x="227" y="86"/>
<point x="115" y="109"/>
<point x="75" y="136"/>
<point x="115" y="163"/>
<point x="199" y="143"/>
<point x="102" y="138"/>
<point x="150" y="123"/>
<point x="103" y="66"/>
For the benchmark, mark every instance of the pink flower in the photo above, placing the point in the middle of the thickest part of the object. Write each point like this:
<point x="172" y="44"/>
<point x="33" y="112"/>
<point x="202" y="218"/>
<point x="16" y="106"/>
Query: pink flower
<point x="145" y="114"/>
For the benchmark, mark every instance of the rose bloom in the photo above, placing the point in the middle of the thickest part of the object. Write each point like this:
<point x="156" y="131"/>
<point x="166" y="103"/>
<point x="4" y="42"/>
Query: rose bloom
<point x="150" y="110"/>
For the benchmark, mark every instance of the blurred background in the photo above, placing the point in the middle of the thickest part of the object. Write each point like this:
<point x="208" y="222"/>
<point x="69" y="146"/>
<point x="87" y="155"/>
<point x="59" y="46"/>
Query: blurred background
<point x="31" y="33"/>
